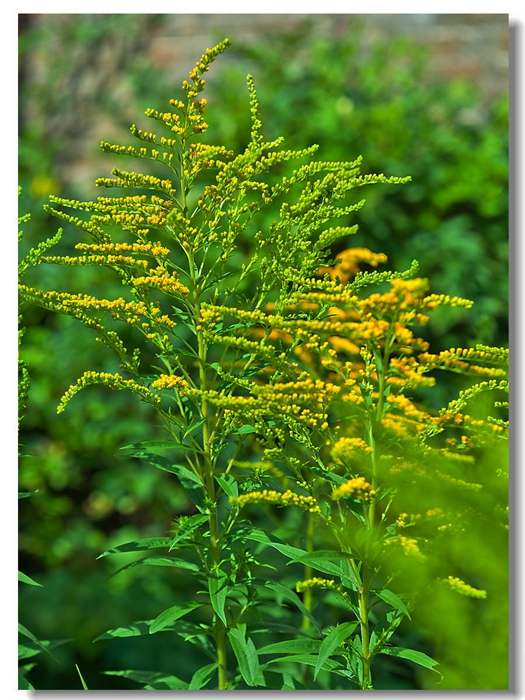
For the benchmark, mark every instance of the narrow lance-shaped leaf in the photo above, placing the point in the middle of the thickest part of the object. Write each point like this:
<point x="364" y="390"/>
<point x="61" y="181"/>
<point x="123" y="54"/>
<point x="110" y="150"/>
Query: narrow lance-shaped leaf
<point x="246" y="654"/>
<point x="393" y="600"/>
<point x="202" y="676"/>
<point x="160" y="561"/>
<point x="153" y="679"/>
<point x="42" y="645"/>
<point x="170" y="615"/>
<point x="186" y="527"/>
<point x="81" y="678"/>
<point x="26" y="579"/>
<point x="218" y="589"/>
<point x="139" y="545"/>
<point x="418" y="657"/>
<point x="334" y="639"/>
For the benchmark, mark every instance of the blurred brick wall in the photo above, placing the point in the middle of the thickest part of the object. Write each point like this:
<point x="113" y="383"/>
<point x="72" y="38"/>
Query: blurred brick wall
<point x="474" y="47"/>
<point x="468" y="46"/>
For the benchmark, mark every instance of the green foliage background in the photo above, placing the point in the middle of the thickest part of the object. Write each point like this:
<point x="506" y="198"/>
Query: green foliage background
<point x="352" y="96"/>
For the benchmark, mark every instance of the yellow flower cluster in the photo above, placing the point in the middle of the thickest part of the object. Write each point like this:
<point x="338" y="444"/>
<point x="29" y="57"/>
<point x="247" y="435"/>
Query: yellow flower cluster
<point x="316" y="582"/>
<point x="113" y="381"/>
<point x="404" y="519"/>
<point x="154" y="248"/>
<point x="358" y="488"/>
<point x="409" y="545"/>
<point x="434" y="300"/>
<point x="409" y="373"/>
<point x="304" y="401"/>
<point x="406" y="406"/>
<point x="347" y="265"/>
<point x="166" y="381"/>
<point x="161" y="279"/>
<point x="286" y="498"/>
<point x="459" y="359"/>
<point x="348" y="448"/>
<point x="456" y="584"/>
<point x="112" y="260"/>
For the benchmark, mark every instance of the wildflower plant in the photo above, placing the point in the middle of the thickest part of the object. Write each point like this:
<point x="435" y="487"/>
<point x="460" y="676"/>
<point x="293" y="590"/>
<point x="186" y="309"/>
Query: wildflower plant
<point x="285" y="377"/>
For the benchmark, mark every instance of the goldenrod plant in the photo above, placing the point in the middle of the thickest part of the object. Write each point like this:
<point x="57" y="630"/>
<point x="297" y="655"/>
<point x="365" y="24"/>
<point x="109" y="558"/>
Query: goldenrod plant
<point x="286" y="372"/>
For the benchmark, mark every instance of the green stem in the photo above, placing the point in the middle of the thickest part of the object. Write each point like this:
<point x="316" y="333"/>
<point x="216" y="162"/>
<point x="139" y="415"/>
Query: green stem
<point x="215" y="544"/>
<point x="308" y="572"/>
<point x="366" y="681"/>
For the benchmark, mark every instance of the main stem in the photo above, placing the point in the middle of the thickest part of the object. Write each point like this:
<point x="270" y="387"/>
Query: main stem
<point x="364" y="592"/>
<point x="215" y="545"/>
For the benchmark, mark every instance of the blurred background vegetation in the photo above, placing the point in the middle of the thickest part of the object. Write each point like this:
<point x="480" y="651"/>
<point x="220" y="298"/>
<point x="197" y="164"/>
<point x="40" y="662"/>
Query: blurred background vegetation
<point x="351" y="86"/>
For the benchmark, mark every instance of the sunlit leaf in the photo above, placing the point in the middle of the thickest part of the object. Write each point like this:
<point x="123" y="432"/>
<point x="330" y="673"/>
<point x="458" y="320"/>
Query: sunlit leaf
<point x="81" y="678"/>
<point x="139" y="545"/>
<point x="160" y="561"/>
<point x="26" y="579"/>
<point x="171" y="614"/>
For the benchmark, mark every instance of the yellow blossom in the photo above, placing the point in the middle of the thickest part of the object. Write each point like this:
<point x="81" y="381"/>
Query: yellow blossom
<point x="357" y="487"/>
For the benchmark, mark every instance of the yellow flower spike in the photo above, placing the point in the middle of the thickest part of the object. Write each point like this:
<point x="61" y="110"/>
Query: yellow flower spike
<point x="113" y="381"/>
<point x="286" y="498"/>
<point x="459" y="586"/>
<point x="316" y="582"/>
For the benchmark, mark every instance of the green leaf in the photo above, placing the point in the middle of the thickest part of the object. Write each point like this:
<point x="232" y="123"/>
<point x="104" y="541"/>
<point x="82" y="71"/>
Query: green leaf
<point x="334" y="639"/>
<point x="246" y="653"/>
<point x="147" y="444"/>
<point x="26" y="579"/>
<point x="139" y="545"/>
<point x="412" y="655"/>
<point x="170" y="615"/>
<point x="41" y="645"/>
<point x="228" y="484"/>
<point x="23" y="683"/>
<point x="201" y="677"/>
<point x="288" y="683"/>
<point x="187" y="478"/>
<point x="141" y="449"/>
<point x="152" y="679"/>
<point x="292" y="646"/>
<point x="81" y="679"/>
<point x="26" y="494"/>
<point x="29" y="649"/>
<point x="393" y="600"/>
<point x="187" y="526"/>
<point x="291" y="596"/>
<point x="309" y="660"/>
<point x="249" y="533"/>
<point x="193" y="426"/>
<point x="137" y="629"/>
<point x="325" y="561"/>
<point x="218" y="588"/>
<point x="348" y="578"/>
<point x="243" y="430"/>
<point x="160" y="561"/>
